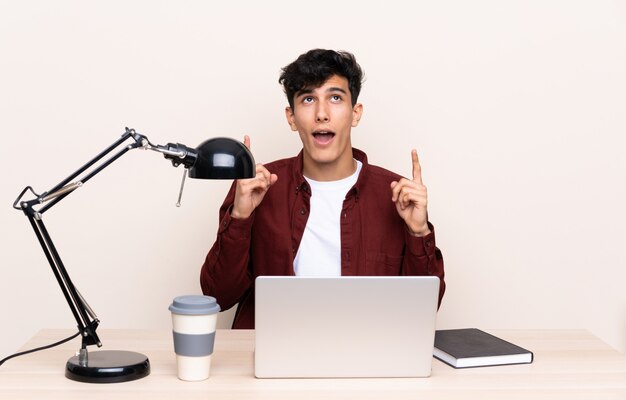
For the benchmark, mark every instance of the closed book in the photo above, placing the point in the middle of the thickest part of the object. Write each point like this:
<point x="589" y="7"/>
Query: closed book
<point x="463" y="348"/>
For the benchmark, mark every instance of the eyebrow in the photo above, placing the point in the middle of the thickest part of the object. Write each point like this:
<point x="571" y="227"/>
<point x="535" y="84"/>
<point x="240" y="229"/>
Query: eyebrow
<point x="336" y="89"/>
<point x="329" y="90"/>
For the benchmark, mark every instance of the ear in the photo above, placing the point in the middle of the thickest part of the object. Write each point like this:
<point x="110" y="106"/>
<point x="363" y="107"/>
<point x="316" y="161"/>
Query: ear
<point x="357" y="113"/>
<point x="291" y="120"/>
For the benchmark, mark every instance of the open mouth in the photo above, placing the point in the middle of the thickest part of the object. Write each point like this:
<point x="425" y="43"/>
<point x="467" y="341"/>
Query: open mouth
<point x="323" y="137"/>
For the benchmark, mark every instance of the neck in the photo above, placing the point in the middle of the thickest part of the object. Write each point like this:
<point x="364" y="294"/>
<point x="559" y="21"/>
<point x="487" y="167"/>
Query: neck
<point x="322" y="172"/>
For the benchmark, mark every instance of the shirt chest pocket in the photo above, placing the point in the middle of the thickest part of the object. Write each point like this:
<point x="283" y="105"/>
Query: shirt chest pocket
<point x="382" y="264"/>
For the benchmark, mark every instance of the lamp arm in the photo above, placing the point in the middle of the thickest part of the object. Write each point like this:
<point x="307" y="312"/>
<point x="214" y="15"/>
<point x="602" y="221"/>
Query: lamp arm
<point x="86" y="321"/>
<point x="177" y="153"/>
<point x="83" y="314"/>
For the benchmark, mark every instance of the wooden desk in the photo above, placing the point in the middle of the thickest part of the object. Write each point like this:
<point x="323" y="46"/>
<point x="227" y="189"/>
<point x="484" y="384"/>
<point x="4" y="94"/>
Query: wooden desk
<point x="568" y="365"/>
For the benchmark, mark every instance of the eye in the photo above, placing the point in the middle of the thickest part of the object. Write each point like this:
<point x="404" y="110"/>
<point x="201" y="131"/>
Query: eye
<point x="335" y="98"/>
<point x="307" y="100"/>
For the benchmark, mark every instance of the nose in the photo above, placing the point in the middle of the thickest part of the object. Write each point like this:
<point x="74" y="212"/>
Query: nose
<point x="322" y="114"/>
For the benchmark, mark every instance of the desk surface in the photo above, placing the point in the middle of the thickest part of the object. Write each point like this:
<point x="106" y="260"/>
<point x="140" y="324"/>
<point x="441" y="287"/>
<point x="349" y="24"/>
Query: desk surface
<point x="568" y="365"/>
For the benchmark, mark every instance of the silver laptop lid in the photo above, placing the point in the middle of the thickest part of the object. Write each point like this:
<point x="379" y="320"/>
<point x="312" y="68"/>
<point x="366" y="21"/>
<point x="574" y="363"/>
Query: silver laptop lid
<point x="362" y="326"/>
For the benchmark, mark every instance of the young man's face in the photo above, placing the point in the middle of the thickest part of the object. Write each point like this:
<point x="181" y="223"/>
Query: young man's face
<point x="324" y="117"/>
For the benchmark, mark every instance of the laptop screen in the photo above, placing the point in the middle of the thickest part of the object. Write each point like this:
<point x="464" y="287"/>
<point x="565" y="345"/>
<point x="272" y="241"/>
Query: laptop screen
<point x="363" y="326"/>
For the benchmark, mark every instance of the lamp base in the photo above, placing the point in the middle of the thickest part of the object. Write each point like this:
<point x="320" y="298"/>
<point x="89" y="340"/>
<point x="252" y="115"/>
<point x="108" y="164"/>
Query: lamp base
<point x="109" y="366"/>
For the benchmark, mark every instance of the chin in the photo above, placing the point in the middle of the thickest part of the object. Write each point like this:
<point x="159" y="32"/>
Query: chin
<point x="324" y="156"/>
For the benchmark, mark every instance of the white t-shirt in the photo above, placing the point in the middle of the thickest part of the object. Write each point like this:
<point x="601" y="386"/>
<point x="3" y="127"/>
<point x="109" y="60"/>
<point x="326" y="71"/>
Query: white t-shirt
<point x="319" y="253"/>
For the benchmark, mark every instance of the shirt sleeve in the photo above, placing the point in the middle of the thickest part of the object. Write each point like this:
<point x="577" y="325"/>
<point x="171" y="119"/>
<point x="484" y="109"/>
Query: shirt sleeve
<point x="225" y="273"/>
<point x="422" y="257"/>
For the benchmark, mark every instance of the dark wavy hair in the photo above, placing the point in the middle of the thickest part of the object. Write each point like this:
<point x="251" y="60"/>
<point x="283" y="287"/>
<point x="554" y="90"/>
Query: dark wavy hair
<point x="314" y="67"/>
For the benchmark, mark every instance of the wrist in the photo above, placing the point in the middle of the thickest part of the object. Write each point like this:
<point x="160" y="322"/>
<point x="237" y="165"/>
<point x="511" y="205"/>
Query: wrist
<point x="425" y="230"/>
<point x="238" y="215"/>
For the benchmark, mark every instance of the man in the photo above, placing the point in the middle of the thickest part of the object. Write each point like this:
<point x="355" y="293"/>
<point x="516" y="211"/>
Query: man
<point x="325" y="212"/>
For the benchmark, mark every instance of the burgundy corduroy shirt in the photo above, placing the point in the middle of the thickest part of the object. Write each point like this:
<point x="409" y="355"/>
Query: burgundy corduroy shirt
<point x="374" y="239"/>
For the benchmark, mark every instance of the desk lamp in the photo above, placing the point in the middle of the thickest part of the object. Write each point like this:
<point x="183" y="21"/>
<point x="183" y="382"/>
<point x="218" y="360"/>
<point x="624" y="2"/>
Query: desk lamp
<point x="218" y="158"/>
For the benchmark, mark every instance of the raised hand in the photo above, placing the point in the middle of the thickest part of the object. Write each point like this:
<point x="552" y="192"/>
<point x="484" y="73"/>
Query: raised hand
<point x="250" y="192"/>
<point x="411" y="199"/>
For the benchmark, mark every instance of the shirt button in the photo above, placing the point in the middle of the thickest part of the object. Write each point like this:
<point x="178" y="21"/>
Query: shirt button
<point x="303" y="210"/>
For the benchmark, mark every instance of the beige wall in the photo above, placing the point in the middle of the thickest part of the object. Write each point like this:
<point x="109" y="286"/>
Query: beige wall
<point x="517" y="110"/>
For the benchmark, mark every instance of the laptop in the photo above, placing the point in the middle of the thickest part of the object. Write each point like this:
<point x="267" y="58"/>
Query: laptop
<point x="344" y="327"/>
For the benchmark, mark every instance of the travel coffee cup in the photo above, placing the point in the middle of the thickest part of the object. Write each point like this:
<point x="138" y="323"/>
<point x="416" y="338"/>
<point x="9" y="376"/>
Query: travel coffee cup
<point x="193" y="320"/>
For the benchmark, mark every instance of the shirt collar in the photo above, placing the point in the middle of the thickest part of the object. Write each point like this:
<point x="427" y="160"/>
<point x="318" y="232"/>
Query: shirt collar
<point x="356" y="153"/>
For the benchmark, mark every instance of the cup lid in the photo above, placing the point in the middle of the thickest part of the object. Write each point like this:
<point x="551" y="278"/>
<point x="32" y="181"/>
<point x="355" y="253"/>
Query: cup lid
<point x="194" y="305"/>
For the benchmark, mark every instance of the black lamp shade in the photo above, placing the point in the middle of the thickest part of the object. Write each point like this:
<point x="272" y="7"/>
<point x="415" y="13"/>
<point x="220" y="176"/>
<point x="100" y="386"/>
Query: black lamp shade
<point x="223" y="158"/>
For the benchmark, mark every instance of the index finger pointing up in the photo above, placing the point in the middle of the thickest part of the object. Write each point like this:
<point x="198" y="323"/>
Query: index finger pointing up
<point x="417" y="169"/>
